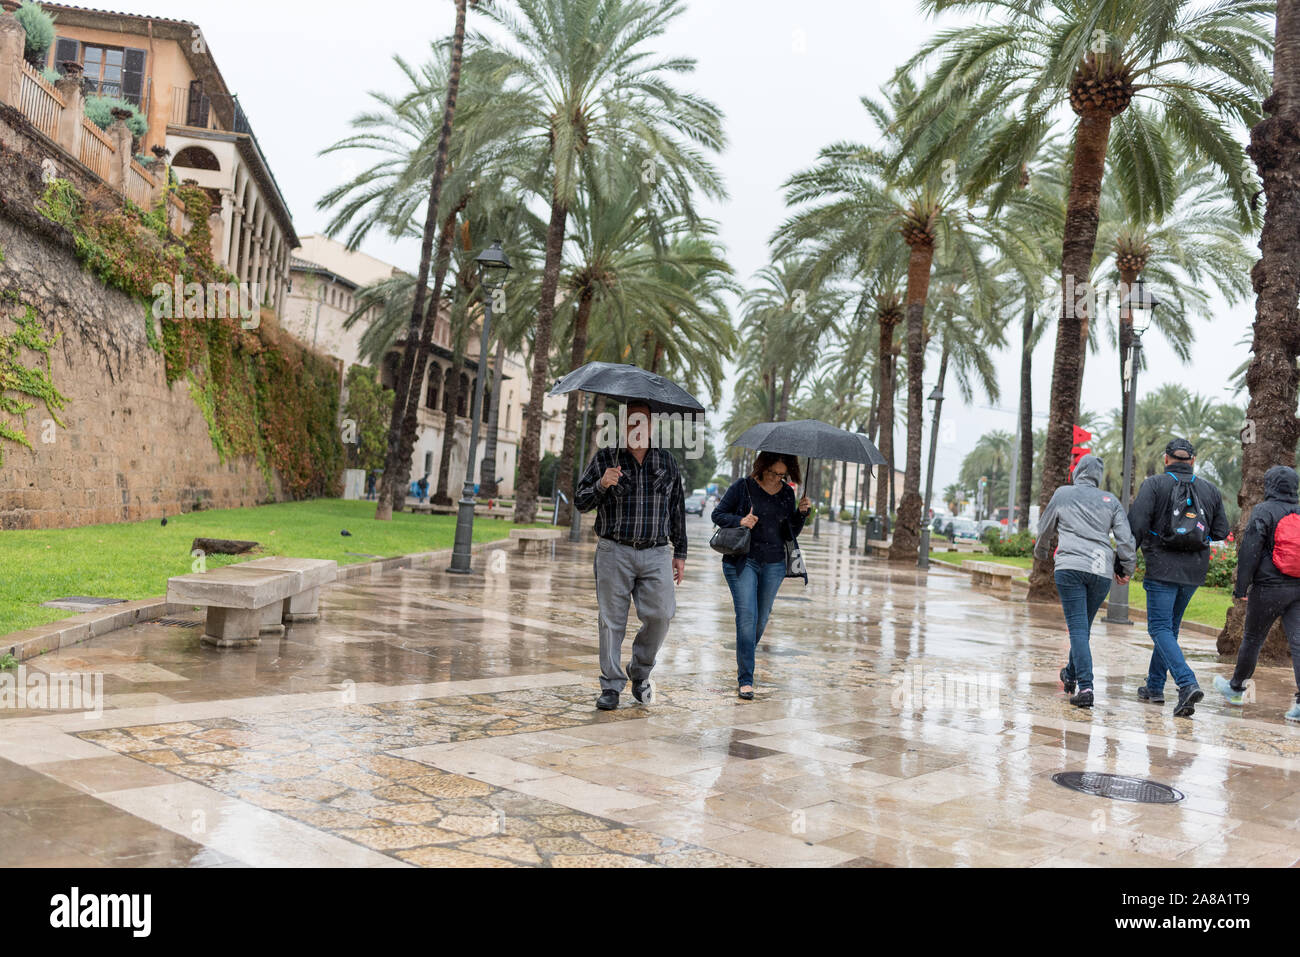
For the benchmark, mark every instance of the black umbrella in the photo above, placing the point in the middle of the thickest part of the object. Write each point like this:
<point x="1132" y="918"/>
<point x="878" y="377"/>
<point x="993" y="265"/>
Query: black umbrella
<point x="628" y="383"/>
<point x="811" y="439"/>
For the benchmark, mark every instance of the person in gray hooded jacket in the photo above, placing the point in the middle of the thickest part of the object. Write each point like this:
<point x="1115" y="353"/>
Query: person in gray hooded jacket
<point x="1084" y="518"/>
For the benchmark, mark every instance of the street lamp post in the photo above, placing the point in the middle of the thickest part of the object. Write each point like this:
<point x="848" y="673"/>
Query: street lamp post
<point x="923" y="555"/>
<point x="1142" y="305"/>
<point x="857" y="507"/>
<point x="493" y="269"/>
<point x="575" y="523"/>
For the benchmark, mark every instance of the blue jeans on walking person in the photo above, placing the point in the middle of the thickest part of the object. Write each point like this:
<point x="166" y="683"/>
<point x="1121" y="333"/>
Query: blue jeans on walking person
<point x="753" y="589"/>
<point x="1081" y="596"/>
<point x="1166" y="602"/>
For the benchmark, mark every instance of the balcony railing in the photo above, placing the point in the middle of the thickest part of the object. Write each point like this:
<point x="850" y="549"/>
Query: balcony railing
<point x="40" y="102"/>
<point x="96" y="149"/>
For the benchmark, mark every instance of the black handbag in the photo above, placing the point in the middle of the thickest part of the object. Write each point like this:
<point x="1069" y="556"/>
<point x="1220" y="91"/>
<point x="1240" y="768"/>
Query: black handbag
<point x="732" y="541"/>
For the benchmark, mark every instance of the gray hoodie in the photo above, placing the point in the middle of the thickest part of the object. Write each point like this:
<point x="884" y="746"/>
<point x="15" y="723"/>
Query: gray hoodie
<point x="1085" y="517"/>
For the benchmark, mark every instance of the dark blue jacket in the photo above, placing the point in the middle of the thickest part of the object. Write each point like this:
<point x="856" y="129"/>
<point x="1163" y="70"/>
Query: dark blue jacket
<point x="735" y="505"/>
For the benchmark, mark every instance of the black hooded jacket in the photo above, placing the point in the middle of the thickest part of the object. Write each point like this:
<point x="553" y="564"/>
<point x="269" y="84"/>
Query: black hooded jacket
<point x="1164" y="565"/>
<point x="1255" y="550"/>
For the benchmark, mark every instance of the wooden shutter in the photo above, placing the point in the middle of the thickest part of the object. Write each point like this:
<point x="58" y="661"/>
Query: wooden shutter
<point x="65" y="49"/>
<point x="199" y="104"/>
<point x="133" y="63"/>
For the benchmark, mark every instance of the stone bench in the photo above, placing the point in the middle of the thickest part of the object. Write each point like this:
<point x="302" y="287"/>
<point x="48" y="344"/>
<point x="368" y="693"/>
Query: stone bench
<point x="879" y="548"/>
<point x="993" y="574"/>
<point x="532" y="541"/>
<point x="255" y="598"/>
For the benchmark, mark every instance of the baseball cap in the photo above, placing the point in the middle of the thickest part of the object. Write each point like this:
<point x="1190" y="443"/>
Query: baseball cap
<point x="1180" y="449"/>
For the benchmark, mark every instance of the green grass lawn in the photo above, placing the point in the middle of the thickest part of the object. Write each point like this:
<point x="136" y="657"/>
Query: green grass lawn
<point x="134" y="560"/>
<point x="1209" y="606"/>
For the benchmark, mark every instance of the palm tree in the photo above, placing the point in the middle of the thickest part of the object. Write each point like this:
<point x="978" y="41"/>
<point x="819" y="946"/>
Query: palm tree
<point x="1199" y="66"/>
<point x="584" y="85"/>
<point x="1197" y="245"/>
<point x="887" y="196"/>
<point x="1272" y="428"/>
<point x="619" y="258"/>
<point x="390" y="493"/>
<point x="784" y="316"/>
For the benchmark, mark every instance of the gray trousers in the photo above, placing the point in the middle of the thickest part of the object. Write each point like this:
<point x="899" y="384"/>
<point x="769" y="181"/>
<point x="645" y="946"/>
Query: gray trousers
<point x="625" y="575"/>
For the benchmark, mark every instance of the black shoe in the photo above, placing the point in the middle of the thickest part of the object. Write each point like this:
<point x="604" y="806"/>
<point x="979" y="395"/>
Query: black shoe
<point x="1069" y="685"/>
<point x="644" y="691"/>
<point x="1187" y="698"/>
<point x="1149" y="696"/>
<point x="607" y="701"/>
<point x="1083" y="699"/>
<point x="746" y="695"/>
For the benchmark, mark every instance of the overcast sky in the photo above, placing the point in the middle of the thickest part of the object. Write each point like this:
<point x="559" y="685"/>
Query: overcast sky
<point x="787" y="76"/>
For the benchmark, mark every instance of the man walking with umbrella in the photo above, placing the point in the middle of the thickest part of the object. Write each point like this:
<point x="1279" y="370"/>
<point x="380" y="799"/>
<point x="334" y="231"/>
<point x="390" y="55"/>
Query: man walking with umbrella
<point x="640" y="506"/>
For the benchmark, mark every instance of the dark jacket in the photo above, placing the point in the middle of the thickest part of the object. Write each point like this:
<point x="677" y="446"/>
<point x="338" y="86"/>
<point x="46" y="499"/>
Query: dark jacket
<point x="1163" y="565"/>
<point x="1255" y="550"/>
<point x="1083" y="518"/>
<point x="735" y="505"/>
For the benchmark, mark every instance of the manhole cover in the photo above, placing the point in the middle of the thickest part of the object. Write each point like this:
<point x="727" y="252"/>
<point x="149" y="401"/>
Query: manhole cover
<point x="1118" y="788"/>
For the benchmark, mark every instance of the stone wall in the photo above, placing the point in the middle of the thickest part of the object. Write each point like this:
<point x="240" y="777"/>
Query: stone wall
<point x="132" y="446"/>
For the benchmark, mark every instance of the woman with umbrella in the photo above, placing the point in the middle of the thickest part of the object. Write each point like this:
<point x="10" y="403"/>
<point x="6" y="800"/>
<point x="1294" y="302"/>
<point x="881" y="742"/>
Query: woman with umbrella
<point x="763" y="502"/>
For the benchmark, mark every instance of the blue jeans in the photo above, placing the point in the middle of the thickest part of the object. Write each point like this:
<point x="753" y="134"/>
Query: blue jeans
<point x="1081" y="596"/>
<point x="1166" y="603"/>
<point x="753" y="589"/>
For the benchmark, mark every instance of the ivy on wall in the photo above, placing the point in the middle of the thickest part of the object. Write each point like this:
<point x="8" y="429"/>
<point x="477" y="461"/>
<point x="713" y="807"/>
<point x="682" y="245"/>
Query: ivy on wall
<point x="20" y="384"/>
<point x="261" y="394"/>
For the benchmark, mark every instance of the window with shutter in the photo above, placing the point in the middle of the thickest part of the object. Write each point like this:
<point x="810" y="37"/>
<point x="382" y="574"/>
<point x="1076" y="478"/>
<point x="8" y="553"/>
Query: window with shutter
<point x="65" y="49"/>
<point x="197" y="114"/>
<point x="133" y="76"/>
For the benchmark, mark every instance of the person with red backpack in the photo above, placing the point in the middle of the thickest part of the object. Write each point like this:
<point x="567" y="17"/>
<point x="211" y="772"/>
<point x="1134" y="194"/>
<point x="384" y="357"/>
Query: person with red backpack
<point x="1174" y="518"/>
<point x="1268" y="580"/>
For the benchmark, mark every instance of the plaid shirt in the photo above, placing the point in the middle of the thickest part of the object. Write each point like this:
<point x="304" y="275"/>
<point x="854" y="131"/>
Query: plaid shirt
<point x="648" y="503"/>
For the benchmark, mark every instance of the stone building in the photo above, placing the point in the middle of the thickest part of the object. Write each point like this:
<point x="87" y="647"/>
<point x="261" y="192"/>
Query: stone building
<point x="325" y="279"/>
<point x="165" y="68"/>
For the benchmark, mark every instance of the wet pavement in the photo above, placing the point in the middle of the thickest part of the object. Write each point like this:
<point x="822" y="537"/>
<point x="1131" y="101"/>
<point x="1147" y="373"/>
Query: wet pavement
<point x="433" y="720"/>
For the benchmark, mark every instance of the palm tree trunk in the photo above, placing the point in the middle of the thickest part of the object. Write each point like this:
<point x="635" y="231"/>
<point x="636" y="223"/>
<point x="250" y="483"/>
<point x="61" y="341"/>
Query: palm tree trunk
<point x="885" y="413"/>
<point x="530" y="460"/>
<point x="569" y="450"/>
<point x="1025" y="478"/>
<point x="488" y="484"/>
<point x="1080" y="238"/>
<point x="770" y="379"/>
<point x="907" y="534"/>
<point x="1271" y="426"/>
<point x="443" y="496"/>
<point x="389" y="490"/>
<point x="410" y="422"/>
<point x="784" y="413"/>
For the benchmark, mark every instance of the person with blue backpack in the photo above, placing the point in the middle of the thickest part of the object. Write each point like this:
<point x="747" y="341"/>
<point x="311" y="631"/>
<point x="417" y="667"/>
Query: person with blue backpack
<point x="1174" y="518"/>
<point x="1268" y="580"/>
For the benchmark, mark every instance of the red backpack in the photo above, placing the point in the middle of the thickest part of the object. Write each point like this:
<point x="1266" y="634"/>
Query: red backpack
<point x="1286" y="545"/>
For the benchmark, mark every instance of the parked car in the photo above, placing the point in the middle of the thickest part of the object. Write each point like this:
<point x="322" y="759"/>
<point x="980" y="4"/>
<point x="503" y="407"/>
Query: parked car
<point x="990" y="523"/>
<point x="963" y="530"/>
<point x="695" y="504"/>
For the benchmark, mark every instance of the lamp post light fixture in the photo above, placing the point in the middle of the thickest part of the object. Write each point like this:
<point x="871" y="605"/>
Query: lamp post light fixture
<point x="1142" y="303"/>
<point x="493" y="269"/>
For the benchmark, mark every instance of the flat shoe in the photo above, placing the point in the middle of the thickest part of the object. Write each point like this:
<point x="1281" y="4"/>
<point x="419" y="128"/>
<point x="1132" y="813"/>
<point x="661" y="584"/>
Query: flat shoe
<point x="746" y="695"/>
